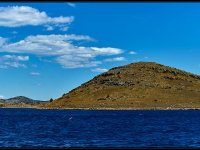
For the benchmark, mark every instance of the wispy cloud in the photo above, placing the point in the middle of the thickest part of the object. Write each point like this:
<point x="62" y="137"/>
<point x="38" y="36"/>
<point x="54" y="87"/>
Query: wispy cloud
<point x="14" y="65"/>
<point x="64" y="28"/>
<point x="63" y="49"/>
<point x="2" y="97"/>
<point x="71" y="4"/>
<point x="115" y="59"/>
<point x="17" y="16"/>
<point x="15" y="58"/>
<point x="45" y="44"/>
<point x="99" y="70"/>
<point x="75" y="61"/>
<point x="35" y="73"/>
<point x="132" y="53"/>
<point x="67" y="54"/>
<point x="49" y="28"/>
<point x="13" y="61"/>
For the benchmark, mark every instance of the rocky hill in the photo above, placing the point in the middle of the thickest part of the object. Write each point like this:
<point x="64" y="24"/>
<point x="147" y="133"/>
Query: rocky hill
<point x="142" y="85"/>
<point x="20" y="101"/>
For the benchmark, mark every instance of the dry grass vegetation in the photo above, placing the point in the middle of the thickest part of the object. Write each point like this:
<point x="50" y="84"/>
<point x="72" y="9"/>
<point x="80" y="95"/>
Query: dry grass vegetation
<point x="142" y="85"/>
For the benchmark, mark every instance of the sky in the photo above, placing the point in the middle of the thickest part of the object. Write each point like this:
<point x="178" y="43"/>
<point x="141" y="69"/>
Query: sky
<point x="48" y="49"/>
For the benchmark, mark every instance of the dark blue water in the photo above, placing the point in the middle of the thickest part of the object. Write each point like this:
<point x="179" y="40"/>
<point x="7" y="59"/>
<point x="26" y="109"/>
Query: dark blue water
<point x="89" y="128"/>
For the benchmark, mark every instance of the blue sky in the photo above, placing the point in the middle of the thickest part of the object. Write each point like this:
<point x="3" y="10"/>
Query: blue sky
<point x="47" y="49"/>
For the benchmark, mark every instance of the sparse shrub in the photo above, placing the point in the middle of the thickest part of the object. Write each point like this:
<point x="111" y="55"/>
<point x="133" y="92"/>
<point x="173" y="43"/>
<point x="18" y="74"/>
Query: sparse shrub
<point x="101" y="99"/>
<point x="51" y="100"/>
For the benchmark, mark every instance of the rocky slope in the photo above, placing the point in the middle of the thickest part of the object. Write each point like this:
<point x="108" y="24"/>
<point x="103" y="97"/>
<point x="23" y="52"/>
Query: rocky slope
<point x="20" y="101"/>
<point x="142" y="85"/>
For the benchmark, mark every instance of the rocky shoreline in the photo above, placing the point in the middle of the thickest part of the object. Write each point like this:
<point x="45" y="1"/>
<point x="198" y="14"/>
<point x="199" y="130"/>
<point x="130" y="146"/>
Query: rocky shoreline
<point x="102" y="108"/>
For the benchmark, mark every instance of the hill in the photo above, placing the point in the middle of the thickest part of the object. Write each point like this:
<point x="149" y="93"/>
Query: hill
<point x="142" y="85"/>
<point x="20" y="101"/>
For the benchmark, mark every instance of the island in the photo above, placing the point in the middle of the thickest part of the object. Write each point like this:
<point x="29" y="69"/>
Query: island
<point x="20" y="102"/>
<point x="141" y="85"/>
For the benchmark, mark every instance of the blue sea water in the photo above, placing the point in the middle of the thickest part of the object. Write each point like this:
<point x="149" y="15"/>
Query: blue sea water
<point x="99" y="128"/>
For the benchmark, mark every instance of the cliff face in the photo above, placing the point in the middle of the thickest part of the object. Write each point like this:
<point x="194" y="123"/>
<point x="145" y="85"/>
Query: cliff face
<point x="137" y="85"/>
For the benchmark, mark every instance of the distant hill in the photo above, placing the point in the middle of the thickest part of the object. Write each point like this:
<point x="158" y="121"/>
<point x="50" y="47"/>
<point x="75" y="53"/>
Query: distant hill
<point x="19" y="101"/>
<point x="142" y="85"/>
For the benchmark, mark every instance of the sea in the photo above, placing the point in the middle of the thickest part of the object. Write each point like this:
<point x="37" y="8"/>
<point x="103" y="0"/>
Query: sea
<point x="40" y="128"/>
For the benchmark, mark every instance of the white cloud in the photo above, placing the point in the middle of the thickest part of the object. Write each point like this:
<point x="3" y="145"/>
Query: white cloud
<point x="45" y="60"/>
<point x="63" y="48"/>
<point x="14" y="64"/>
<point x="14" y="57"/>
<point x="115" y="59"/>
<point x="100" y="70"/>
<point x="45" y="44"/>
<point x="71" y="4"/>
<point x="132" y="53"/>
<point x="106" y="50"/>
<point x="49" y="28"/>
<point x="13" y="61"/>
<point x="73" y="61"/>
<point x="2" y="97"/>
<point x="35" y="73"/>
<point x="64" y="28"/>
<point x="17" y="16"/>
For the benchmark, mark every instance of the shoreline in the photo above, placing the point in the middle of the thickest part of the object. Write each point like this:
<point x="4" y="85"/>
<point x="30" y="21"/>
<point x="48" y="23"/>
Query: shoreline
<point x="123" y="109"/>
